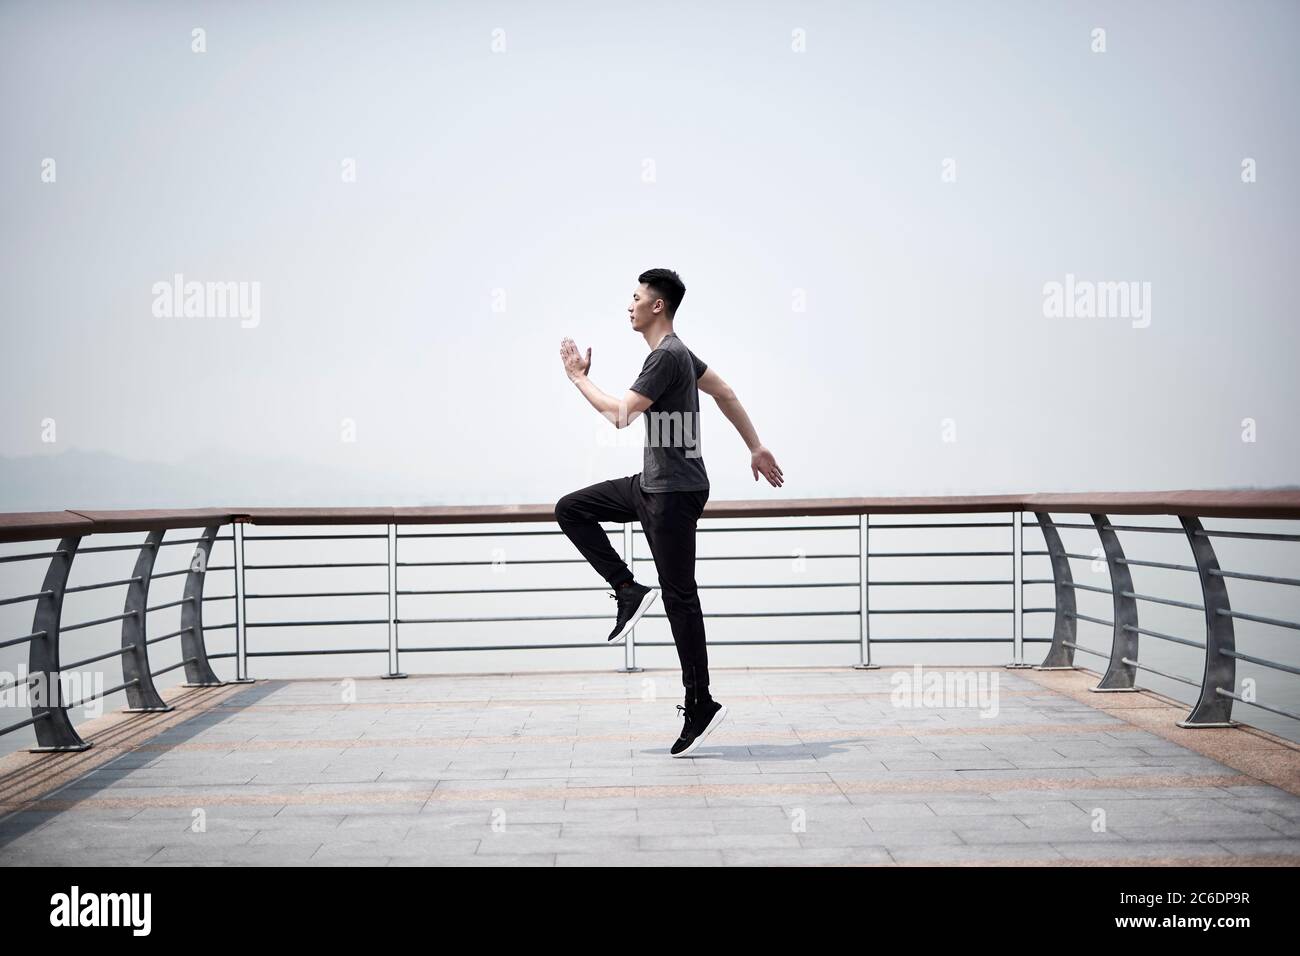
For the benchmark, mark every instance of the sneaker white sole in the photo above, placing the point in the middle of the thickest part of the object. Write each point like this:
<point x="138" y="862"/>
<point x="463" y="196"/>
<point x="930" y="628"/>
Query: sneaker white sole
<point x="717" y="719"/>
<point x="621" y="636"/>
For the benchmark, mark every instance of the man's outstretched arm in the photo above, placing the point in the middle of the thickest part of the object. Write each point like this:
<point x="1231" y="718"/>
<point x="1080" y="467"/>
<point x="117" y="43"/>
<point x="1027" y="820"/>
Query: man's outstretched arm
<point x="619" y="412"/>
<point x="761" y="461"/>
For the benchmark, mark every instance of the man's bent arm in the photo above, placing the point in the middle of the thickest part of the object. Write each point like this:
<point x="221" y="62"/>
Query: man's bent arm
<point x="620" y="412"/>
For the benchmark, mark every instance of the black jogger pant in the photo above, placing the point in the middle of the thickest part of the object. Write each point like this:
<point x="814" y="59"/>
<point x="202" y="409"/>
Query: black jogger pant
<point x="668" y="519"/>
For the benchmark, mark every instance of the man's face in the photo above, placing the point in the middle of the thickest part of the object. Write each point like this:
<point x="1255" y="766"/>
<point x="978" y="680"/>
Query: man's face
<point x="641" y="311"/>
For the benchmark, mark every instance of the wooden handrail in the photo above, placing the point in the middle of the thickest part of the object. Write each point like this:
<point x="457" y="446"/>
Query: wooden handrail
<point x="1270" y="503"/>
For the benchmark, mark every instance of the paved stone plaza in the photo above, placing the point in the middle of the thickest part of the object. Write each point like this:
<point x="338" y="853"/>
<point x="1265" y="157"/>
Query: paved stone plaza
<point x="812" y="766"/>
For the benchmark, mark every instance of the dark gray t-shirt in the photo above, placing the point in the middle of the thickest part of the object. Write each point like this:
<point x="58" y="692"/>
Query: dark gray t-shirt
<point x="673" y="459"/>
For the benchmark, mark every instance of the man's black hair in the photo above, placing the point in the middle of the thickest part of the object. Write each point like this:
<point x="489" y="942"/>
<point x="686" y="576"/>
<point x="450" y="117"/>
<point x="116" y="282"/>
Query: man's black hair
<point x="666" y="285"/>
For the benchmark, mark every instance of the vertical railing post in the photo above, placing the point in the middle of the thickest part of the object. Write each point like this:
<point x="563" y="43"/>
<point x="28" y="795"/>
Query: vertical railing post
<point x="141" y="695"/>
<point x="194" y="644"/>
<point x="629" y="646"/>
<point x="1060" y="656"/>
<point x="1212" y="708"/>
<point x="1018" y="590"/>
<point x="864" y="596"/>
<point x="394" y="648"/>
<point x="241" y="608"/>
<point x="54" y="731"/>
<point x="1121" y="675"/>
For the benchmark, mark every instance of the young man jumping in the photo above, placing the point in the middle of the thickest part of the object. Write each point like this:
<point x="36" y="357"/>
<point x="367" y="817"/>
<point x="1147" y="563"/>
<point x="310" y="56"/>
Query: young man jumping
<point x="669" y="493"/>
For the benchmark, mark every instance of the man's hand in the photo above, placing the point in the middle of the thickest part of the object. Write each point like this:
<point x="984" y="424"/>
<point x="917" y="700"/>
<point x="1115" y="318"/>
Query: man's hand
<point x="762" y="462"/>
<point x="574" y="363"/>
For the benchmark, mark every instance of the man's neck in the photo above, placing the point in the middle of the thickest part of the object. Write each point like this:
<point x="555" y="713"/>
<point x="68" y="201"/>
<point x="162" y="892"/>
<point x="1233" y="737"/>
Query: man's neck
<point x="653" y="338"/>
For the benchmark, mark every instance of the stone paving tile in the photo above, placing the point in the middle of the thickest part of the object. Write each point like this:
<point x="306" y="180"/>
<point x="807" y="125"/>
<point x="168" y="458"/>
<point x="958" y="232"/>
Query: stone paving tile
<point x="1193" y="831"/>
<point x="1249" y="847"/>
<point x="717" y="814"/>
<point x="97" y="837"/>
<point x="1083" y="794"/>
<point x="813" y="767"/>
<point x="215" y="863"/>
<point x="1127" y="850"/>
<point x="718" y="841"/>
<point x="527" y="859"/>
<point x="228" y="811"/>
<point x="267" y="855"/>
<point x="1288" y="826"/>
<point x="352" y="849"/>
<point x="1057" y="833"/>
<point x="438" y="806"/>
<point x="948" y="806"/>
<point x="996" y="855"/>
<point x="347" y="861"/>
<point x="919" y="821"/>
<point x="889" y="841"/>
<point x="901" y="807"/>
<point x="284" y="821"/>
<point x="80" y="856"/>
<point x="355" y="808"/>
<point x="573" y="843"/>
<point x="322" y="835"/>
<point x="809" y="856"/>
<point x="646" y="828"/>
<point x="642" y="858"/>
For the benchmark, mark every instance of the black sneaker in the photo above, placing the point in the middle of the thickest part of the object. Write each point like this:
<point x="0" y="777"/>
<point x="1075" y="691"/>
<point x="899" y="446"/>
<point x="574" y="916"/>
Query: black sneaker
<point x="633" y="601"/>
<point x="697" y="726"/>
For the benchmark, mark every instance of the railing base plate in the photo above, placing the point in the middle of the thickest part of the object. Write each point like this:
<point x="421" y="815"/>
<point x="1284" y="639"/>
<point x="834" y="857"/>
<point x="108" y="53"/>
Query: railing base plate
<point x="1013" y="664"/>
<point x="866" y="667"/>
<point x="391" y="676"/>
<point x="1113" y="690"/>
<point x="74" y="748"/>
<point x="219" y="683"/>
<point x="631" y="670"/>
<point x="1185" y="724"/>
<point x="148" y="710"/>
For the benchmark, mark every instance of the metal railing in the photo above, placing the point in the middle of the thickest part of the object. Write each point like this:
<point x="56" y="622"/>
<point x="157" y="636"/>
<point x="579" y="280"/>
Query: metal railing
<point x="1216" y="689"/>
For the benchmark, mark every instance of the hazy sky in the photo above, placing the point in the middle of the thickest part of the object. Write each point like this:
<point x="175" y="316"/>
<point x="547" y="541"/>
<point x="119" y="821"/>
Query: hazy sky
<point x="518" y="164"/>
